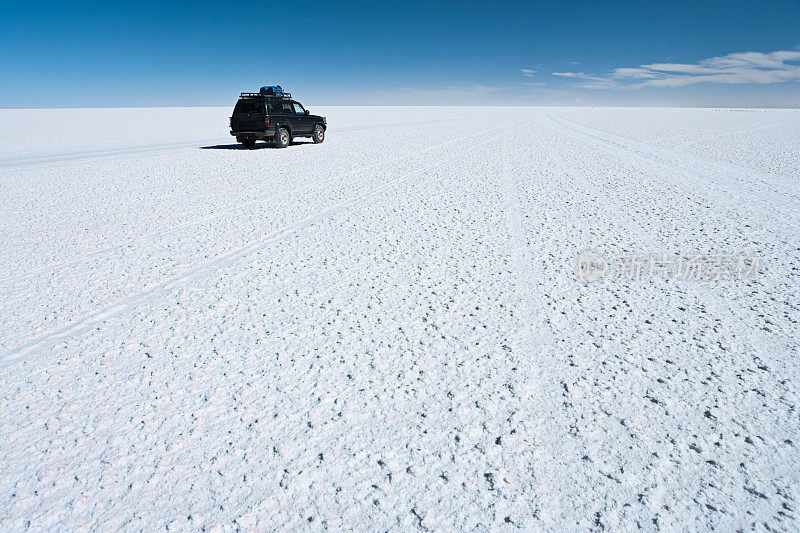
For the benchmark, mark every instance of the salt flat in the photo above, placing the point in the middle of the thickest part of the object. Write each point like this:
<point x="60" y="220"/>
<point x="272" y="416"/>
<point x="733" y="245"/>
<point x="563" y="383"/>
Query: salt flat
<point x="388" y="330"/>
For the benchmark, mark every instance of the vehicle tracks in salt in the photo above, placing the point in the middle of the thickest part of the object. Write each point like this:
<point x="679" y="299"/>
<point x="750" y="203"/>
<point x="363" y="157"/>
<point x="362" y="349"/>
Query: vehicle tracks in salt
<point x="73" y="157"/>
<point x="99" y="316"/>
<point x="740" y="193"/>
<point x="213" y="216"/>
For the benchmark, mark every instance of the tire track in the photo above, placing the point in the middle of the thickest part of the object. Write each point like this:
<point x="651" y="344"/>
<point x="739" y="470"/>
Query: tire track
<point x="546" y="420"/>
<point x="743" y="195"/>
<point x="166" y="231"/>
<point x="645" y="233"/>
<point x="562" y="470"/>
<point x="727" y="133"/>
<point x="670" y="157"/>
<point x="193" y="144"/>
<point x="99" y="316"/>
<point x="92" y="155"/>
<point x="715" y="298"/>
<point x="99" y="154"/>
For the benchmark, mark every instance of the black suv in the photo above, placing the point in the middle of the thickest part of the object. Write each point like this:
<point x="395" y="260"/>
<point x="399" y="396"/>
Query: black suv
<point x="274" y="117"/>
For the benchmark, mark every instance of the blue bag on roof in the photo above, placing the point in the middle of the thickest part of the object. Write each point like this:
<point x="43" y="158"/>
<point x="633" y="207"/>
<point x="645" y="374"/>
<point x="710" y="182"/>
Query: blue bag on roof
<point x="272" y="89"/>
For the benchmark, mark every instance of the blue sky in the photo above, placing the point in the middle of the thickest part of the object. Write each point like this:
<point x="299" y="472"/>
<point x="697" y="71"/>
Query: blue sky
<point x="101" y="54"/>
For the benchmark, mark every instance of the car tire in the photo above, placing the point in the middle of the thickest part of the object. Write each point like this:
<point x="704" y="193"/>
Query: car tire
<point x="249" y="144"/>
<point x="319" y="134"/>
<point x="282" y="138"/>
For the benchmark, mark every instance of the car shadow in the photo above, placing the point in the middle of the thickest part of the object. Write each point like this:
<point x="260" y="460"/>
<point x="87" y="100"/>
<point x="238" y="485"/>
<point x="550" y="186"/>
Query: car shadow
<point x="258" y="146"/>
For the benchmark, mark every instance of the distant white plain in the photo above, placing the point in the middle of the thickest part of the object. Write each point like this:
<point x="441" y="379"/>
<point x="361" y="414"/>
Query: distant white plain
<point x="387" y="330"/>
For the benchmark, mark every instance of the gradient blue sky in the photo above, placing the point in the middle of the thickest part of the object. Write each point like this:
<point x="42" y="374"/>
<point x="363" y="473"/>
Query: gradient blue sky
<point x="111" y="54"/>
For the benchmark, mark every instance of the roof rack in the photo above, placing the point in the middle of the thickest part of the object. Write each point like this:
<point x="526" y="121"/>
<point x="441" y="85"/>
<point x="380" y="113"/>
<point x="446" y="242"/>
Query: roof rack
<point x="264" y="95"/>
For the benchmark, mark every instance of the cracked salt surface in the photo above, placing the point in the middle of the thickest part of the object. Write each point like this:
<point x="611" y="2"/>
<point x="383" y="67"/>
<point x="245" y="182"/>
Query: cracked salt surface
<point x="386" y="331"/>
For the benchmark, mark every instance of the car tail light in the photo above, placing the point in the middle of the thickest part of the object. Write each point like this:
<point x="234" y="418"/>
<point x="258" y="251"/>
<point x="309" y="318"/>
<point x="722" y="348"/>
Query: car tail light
<point x="266" y="121"/>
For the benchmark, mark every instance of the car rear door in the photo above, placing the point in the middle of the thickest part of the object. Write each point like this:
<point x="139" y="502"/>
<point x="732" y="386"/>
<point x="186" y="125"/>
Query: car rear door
<point x="248" y="115"/>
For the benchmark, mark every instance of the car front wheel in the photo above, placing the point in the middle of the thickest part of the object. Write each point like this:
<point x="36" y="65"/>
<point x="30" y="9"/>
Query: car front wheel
<point x="319" y="134"/>
<point x="282" y="138"/>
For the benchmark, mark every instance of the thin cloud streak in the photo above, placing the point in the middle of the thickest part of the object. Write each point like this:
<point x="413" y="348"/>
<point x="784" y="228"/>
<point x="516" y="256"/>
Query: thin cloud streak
<point x="736" y="68"/>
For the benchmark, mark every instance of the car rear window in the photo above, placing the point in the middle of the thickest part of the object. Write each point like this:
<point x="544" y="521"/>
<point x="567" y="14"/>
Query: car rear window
<point x="249" y="105"/>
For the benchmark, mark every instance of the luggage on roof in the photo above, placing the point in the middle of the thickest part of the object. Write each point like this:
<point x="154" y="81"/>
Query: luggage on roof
<point x="272" y="89"/>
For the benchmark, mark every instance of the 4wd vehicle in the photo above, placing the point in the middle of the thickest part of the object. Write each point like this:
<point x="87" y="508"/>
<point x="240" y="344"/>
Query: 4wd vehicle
<point x="272" y="115"/>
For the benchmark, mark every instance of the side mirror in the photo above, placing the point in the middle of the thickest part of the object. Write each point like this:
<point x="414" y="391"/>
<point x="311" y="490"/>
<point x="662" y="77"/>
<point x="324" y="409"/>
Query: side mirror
<point x="306" y="111"/>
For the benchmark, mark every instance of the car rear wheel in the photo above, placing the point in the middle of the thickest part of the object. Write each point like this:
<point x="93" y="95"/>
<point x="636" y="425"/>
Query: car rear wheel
<point x="319" y="134"/>
<point x="282" y="138"/>
<point x="249" y="144"/>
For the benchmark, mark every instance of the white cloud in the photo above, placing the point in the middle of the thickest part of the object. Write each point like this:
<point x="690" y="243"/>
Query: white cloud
<point x="633" y="73"/>
<point x="527" y="72"/>
<point x="743" y="67"/>
<point x="580" y="75"/>
<point x="590" y="82"/>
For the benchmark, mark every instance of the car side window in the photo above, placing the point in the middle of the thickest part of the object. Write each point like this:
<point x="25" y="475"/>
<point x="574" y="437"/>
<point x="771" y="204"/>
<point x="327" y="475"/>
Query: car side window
<point x="298" y="109"/>
<point x="287" y="108"/>
<point x="275" y="108"/>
